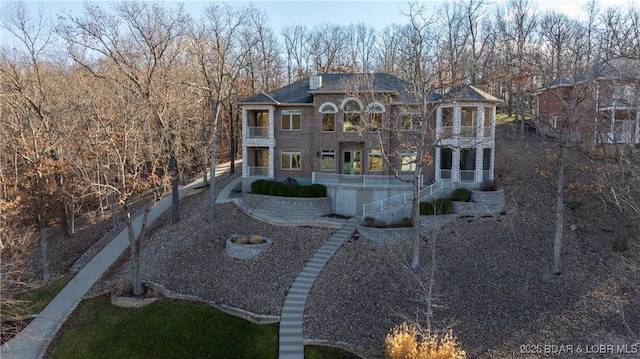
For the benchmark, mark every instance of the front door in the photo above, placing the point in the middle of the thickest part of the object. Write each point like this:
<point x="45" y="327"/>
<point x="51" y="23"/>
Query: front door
<point x="352" y="162"/>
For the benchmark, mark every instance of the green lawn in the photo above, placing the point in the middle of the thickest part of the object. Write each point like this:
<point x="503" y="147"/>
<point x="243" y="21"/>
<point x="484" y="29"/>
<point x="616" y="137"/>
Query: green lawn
<point x="33" y="301"/>
<point x="167" y="329"/>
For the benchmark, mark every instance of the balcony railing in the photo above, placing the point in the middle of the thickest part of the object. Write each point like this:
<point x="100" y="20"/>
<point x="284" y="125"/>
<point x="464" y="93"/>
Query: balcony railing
<point x="445" y="174"/>
<point x="258" y="171"/>
<point x="486" y="131"/>
<point x="258" y="132"/>
<point x="363" y="180"/>
<point x="467" y="175"/>
<point x="465" y="131"/>
<point x="486" y="175"/>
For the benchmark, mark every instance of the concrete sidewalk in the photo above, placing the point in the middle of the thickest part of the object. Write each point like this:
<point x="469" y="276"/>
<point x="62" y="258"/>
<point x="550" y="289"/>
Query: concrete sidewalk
<point x="31" y="342"/>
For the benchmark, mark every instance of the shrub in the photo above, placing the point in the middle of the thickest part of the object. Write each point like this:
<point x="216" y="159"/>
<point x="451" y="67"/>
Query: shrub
<point x="406" y="222"/>
<point x="273" y="188"/>
<point x="290" y="181"/>
<point x="369" y="221"/>
<point x="462" y="195"/>
<point x="265" y="187"/>
<point x="241" y="240"/>
<point x="437" y="207"/>
<point x="406" y="341"/>
<point x="256" y="186"/>
<point x="489" y="185"/>
<point x="255" y="239"/>
<point x="318" y="190"/>
<point x="442" y="206"/>
<point x="292" y="190"/>
<point x="304" y="191"/>
<point x="283" y="189"/>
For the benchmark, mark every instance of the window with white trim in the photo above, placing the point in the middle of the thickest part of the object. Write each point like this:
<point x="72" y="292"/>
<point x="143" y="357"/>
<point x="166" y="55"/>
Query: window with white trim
<point x="411" y="121"/>
<point x="352" y="111"/>
<point x="328" y="160"/>
<point x="375" y="111"/>
<point x="554" y="121"/>
<point x="375" y="161"/>
<point x="291" y="120"/>
<point x="328" y="111"/>
<point x="290" y="159"/>
<point x="409" y="159"/>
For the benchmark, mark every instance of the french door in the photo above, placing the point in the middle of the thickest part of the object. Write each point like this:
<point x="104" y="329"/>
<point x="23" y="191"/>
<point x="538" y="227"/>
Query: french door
<point x="352" y="162"/>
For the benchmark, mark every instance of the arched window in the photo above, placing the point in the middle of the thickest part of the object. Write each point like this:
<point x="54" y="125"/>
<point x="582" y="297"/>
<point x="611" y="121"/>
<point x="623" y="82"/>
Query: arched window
<point x="351" y="108"/>
<point x="328" y="111"/>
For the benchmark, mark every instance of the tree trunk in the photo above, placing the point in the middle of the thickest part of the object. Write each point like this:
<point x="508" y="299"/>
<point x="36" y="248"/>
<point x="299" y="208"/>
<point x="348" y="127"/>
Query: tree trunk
<point x="64" y="221"/>
<point x="214" y="159"/>
<point x="175" y="195"/>
<point x="205" y="181"/>
<point x="415" y="255"/>
<point x="232" y="144"/>
<point x="42" y="226"/>
<point x="557" y="242"/>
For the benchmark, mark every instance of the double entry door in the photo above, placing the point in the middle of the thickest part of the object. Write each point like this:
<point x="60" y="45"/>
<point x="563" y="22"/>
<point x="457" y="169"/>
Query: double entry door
<point x="352" y="162"/>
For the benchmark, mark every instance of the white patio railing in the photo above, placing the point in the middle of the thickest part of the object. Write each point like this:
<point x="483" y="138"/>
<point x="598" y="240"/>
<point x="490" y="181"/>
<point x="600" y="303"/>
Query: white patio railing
<point x="362" y="180"/>
<point x="405" y="198"/>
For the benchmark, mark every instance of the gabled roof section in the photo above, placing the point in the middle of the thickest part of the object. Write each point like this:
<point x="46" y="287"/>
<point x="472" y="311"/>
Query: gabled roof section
<point x="618" y="68"/>
<point x="261" y="98"/>
<point x="469" y="93"/>
<point x="299" y="92"/>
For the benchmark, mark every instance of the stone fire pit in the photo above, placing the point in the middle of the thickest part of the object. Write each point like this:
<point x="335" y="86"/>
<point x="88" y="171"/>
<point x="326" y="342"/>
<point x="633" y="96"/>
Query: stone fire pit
<point x="247" y="246"/>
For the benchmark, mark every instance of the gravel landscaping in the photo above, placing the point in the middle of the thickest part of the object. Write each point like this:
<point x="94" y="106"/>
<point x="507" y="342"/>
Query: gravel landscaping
<point x="493" y="282"/>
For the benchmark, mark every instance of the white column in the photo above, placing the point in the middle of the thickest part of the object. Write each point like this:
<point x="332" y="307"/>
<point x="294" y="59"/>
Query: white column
<point x="455" y="161"/>
<point x="479" y="163"/>
<point x="245" y="151"/>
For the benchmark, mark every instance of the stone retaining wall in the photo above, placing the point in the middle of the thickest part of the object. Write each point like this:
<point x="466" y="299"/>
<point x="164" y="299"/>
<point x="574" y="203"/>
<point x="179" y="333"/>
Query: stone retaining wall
<point x="287" y="207"/>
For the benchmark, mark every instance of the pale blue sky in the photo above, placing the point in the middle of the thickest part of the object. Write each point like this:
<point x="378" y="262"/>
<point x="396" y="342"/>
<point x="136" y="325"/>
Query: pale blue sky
<point x="378" y="13"/>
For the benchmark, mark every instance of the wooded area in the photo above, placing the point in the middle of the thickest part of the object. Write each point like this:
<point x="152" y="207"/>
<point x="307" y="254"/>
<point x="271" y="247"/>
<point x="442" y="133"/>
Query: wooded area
<point x="121" y="100"/>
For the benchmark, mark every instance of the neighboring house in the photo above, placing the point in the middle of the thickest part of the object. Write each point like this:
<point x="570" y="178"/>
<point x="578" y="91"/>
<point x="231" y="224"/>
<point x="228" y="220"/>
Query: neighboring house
<point x="356" y="134"/>
<point x="603" y="105"/>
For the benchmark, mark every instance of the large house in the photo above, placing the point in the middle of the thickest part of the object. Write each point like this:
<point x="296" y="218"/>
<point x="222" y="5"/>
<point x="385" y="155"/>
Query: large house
<point x="602" y="105"/>
<point x="358" y="134"/>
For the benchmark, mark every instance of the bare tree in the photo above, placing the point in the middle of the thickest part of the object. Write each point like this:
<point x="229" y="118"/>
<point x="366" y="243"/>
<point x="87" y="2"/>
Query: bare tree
<point x="32" y="126"/>
<point x="221" y="45"/>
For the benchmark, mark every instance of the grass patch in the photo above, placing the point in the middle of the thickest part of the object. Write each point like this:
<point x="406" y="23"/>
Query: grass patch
<point x="320" y="352"/>
<point x="505" y="118"/>
<point x="166" y="329"/>
<point x="33" y="301"/>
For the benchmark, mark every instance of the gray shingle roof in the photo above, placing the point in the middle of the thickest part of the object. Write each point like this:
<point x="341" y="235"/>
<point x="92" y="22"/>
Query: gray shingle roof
<point x="470" y="93"/>
<point x="618" y="68"/>
<point x="299" y="92"/>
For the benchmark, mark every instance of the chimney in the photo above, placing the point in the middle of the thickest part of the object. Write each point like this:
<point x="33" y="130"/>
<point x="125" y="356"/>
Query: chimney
<point x="315" y="82"/>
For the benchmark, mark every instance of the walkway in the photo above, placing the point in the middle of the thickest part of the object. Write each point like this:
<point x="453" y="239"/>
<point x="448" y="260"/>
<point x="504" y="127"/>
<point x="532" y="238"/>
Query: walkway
<point x="291" y="319"/>
<point x="31" y="342"/>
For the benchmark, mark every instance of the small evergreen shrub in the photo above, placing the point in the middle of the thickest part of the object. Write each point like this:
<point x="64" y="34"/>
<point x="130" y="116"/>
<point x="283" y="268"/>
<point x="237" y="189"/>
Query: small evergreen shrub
<point x="265" y="187"/>
<point x="283" y="189"/>
<point x="437" y="207"/>
<point x="292" y="190"/>
<point x="318" y="190"/>
<point x="273" y="188"/>
<point x="305" y="191"/>
<point x="462" y="195"/>
<point x="256" y="186"/>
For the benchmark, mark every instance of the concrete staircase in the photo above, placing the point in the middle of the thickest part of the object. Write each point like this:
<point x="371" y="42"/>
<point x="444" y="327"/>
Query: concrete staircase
<point x="292" y="317"/>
